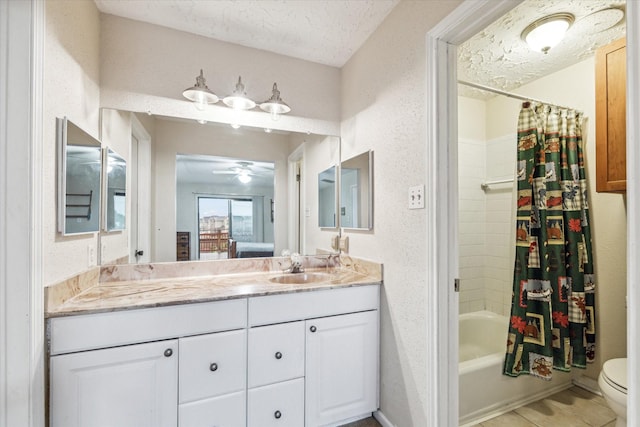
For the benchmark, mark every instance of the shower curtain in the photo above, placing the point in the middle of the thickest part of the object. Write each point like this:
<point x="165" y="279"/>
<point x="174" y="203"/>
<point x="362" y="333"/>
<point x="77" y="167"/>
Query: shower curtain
<point x="552" y="322"/>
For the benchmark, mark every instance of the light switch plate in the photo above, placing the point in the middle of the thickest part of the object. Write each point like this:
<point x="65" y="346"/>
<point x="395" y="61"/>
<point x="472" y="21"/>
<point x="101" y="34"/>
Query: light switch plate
<point x="416" y="197"/>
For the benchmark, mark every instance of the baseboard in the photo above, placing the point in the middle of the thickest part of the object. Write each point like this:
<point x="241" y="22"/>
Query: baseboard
<point x="384" y="421"/>
<point x="587" y="383"/>
<point x="499" y="409"/>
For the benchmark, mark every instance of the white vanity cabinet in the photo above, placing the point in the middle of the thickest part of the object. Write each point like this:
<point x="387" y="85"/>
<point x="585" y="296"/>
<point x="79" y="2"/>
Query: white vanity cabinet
<point x="287" y="360"/>
<point x="130" y="386"/>
<point x="212" y="380"/>
<point x="124" y="368"/>
<point x="341" y="367"/>
<point x="341" y="346"/>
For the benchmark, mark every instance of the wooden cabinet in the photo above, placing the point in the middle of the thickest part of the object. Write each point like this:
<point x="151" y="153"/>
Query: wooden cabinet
<point x="183" y="246"/>
<point x="341" y="368"/>
<point x="611" y="117"/>
<point x="130" y="386"/>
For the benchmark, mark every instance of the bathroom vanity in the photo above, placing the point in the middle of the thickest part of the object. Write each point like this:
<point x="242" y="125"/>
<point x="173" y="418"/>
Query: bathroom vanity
<point x="246" y="351"/>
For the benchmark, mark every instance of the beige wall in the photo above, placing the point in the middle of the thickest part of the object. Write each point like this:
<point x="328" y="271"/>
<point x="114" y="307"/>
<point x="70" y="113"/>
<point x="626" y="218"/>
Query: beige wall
<point x="144" y="63"/>
<point x="383" y="108"/>
<point x="575" y="87"/>
<point x="72" y="89"/>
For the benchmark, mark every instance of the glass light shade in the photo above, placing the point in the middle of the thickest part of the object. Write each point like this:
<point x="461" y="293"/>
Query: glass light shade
<point x="238" y="100"/>
<point x="547" y="32"/>
<point x="275" y="105"/>
<point x="244" y="178"/>
<point x="200" y="94"/>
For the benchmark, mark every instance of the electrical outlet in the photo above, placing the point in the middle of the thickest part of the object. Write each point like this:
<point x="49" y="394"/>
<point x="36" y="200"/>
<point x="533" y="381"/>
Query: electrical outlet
<point x="416" y="197"/>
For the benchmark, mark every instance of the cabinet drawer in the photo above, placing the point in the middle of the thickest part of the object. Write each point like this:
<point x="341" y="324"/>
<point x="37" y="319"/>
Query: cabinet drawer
<point x="277" y="405"/>
<point x="307" y="305"/>
<point x="182" y="237"/>
<point x="212" y="365"/>
<point x="224" y="411"/>
<point x="86" y="332"/>
<point x="276" y="353"/>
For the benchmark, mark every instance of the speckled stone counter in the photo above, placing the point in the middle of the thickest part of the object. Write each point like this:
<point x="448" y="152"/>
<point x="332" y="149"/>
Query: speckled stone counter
<point x="125" y="287"/>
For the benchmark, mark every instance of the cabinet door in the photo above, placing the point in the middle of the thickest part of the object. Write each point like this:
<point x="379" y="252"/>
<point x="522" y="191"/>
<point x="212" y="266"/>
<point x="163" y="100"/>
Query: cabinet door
<point x="212" y="365"/>
<point x="611" y="119"/>
<point x="277" y="405"/>
<point x="341" y="367"/>
<point x="131" y="386"/>
<point x="276" y="353"/>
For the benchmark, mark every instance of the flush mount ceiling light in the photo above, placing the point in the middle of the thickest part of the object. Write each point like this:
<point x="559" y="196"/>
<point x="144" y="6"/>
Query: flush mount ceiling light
<point x="547" y="32"/>
<point x="238" y="100"/>
<point x="275" y="105"/>
<point x="200" y="93"/>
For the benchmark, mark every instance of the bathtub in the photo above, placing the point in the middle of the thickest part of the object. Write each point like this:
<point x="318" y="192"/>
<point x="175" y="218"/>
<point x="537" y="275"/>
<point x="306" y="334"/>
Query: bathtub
<point x="484" y="391"/>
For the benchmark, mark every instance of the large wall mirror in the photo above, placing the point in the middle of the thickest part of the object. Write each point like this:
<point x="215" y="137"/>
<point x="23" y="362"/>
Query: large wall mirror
<point x="199" y="200"/>
<point x="79" y="178"/>
<point x="356" y="192"/>
<point x="115" y="191"/>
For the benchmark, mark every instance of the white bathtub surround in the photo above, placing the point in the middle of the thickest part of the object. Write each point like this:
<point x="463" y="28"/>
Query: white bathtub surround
<point x="482" y="347"/>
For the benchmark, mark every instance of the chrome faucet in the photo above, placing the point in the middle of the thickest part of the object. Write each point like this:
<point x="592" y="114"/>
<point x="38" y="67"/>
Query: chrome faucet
<point x="295" y="260"/>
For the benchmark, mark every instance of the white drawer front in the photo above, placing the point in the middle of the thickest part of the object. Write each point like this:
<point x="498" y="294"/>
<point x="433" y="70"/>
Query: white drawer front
<point x="277" y="405"/>
<point x="276" y="353"/>
<point x="100" y="330"/>
<point x="306" y="305"/>
<point x="212" y="365"/>
<point x="224" y="411"/>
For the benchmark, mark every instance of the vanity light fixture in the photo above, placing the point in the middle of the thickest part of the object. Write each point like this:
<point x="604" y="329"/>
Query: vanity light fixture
<point x="201" y="96"/>
<point x="545" y="33"/>
<point x="200" y="93"/>
<point x="275" y="105"/>
<point x="238" y="100"/>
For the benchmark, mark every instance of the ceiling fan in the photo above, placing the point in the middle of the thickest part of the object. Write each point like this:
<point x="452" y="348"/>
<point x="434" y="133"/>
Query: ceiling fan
<point x="242" y="171"/>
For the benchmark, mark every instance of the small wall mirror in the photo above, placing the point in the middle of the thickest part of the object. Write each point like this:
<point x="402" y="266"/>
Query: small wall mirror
<point x="327" y="198"/>
<point x="115" y="191"/>
<point x="356" y="192"/>
<point x="79" y="174"/>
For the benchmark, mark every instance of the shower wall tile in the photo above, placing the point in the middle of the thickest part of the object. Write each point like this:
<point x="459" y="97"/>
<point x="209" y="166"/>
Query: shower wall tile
<point x="471" y="226"/>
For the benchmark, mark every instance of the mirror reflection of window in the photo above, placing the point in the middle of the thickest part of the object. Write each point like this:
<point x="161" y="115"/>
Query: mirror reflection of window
<point x="220" y="200"/>
<point x="327" y="198"/>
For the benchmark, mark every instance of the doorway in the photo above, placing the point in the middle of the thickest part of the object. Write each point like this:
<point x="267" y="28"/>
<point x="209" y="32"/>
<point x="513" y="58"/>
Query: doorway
<point x="221" y="219"/>
<point x="442" y="251"/>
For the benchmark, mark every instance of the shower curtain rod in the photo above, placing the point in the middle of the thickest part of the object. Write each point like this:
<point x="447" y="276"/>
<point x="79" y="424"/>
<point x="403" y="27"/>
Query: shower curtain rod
<point x="510" y="95"/>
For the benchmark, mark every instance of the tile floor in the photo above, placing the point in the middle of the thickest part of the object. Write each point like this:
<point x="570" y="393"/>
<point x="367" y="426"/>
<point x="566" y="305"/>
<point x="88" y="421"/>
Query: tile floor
<point x="367" y="422"/>
<point x="573" y="407"/>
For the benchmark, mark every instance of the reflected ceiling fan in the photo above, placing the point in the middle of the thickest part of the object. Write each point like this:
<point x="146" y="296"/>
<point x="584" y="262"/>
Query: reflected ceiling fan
<point x="242" y="171"/>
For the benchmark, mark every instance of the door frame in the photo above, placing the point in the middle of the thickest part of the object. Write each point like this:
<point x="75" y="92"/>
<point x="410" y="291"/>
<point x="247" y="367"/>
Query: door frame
<point x="142" y="198"/>
<point x="22" y="337"/>
<point x="442" y="195"/>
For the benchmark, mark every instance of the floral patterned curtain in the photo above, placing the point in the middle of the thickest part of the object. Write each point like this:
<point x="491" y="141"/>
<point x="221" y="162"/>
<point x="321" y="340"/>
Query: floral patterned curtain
<point x="552" y="324"/>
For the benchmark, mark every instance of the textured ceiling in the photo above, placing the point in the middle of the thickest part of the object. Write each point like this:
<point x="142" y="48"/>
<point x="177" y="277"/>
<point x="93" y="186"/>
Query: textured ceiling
<point x="323" y="31"/>
<point x="498" y="57"/>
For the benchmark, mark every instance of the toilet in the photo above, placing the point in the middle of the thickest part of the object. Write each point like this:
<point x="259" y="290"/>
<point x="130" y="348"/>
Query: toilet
<point x="613" y="384"/>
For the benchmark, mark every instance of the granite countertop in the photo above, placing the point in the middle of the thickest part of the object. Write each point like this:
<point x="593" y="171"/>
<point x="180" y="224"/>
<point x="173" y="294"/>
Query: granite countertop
<point x="107" y="292"/>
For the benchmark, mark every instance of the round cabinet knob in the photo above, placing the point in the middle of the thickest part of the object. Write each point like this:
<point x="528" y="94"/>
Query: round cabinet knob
<point x="278" y="355"/>
<point x="277" y="415"/>
<point x="168" y="352"/>
<point x="313" y="329"/>
<point x="213" y="367"/>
